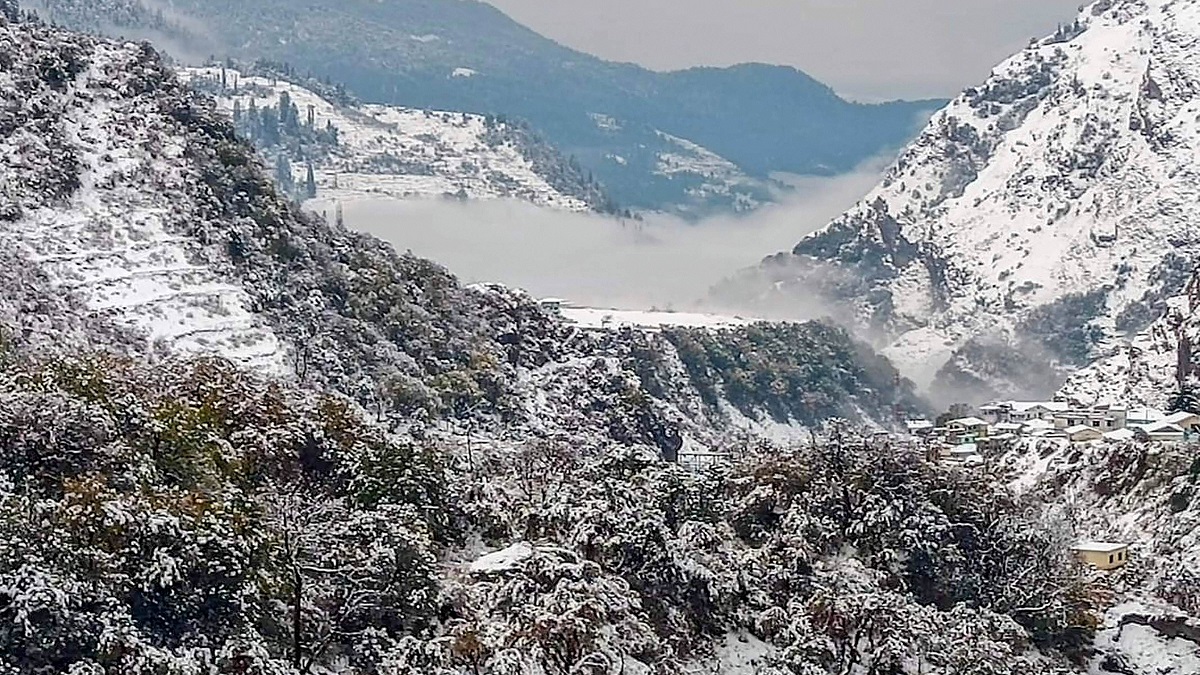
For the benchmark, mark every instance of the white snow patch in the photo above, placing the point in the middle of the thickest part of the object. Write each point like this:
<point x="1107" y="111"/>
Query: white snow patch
<point x="590" y="317"/>
<point x="504" y="560"/>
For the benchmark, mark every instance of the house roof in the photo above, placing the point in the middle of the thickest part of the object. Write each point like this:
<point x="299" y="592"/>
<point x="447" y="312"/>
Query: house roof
<point x="1071" y="431"/>
<point x="1039" y="424"/>
<point x="1120" y="435"/>
<point x="1161" y="427"/>
<point x="914" y="425"/>
<point x="969" y="422"/>
<point x="1054" y="406"/>
<point x="1176" y="418"/>
<point x="1099" y="546"/>
<point x="1009" y="426"/>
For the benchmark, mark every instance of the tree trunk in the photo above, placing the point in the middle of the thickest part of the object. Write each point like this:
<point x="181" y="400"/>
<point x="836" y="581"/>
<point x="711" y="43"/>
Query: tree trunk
<point x="297" y="580"/>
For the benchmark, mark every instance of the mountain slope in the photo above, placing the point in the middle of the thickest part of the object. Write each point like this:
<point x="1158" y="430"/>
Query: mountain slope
<point x="1144" y="494"/>
<point x="1040" y="214"/>
<point x="372" y="150"/>
<point x="445" y="479"/>
<point x="125" y="188"/>
<point x="466" y="55"/>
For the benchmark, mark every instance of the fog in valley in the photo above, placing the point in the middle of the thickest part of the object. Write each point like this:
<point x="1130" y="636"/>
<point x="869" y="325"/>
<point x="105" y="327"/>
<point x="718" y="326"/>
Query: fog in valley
<point x="660" y="262"/>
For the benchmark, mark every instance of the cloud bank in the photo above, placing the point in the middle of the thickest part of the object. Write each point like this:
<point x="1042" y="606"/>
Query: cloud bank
<point x="663" y="262"/>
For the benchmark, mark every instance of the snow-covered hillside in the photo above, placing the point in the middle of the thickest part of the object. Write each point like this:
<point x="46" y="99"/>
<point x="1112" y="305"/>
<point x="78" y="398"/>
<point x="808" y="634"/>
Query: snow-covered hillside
<point x="388" y="151"/>
<point x="126" y="189"/>
<point x="712" y="178"/>
<point x="104" y="229"/>
<point x="1156" y="367"/>
<point x="1144" y="495"/>
<point x="1048" y="211"/>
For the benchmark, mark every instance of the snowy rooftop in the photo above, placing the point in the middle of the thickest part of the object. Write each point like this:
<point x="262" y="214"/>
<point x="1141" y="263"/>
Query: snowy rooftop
<point x="503" y="560"/>
<point x="969" y="422"/>
<point x="1099" y="546"/>
<point x="1179" y="417"/>
<point x="1024" y="406"/>
<point x="1161" y="427"/>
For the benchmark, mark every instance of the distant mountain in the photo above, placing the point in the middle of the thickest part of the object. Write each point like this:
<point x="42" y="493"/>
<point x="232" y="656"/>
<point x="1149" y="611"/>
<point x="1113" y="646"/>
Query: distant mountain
<point x="355" y="150"/>
<point x="624" y="123"/>
<point x="240" y="439"/>
<point x="1039" y="219"/>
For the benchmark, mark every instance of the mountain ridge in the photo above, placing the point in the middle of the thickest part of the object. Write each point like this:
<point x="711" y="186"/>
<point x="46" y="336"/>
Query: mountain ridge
<point x="468" y="56"/>
<point x="1038" y="217"/>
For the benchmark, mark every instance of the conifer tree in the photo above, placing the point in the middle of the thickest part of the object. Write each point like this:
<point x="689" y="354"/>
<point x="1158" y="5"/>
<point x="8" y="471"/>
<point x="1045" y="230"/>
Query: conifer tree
<point x="10" y="10"/>
<point x="310" y="182"/>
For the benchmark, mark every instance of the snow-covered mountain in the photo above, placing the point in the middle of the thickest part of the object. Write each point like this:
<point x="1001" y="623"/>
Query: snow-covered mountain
<point x="354" y="464"/>
<point x="1157" y="367"/>
<point x="126" y="189"/>
<point x="358" y="151"/>
<point x="468" y="56"/>
<point x="1039" y="217"/>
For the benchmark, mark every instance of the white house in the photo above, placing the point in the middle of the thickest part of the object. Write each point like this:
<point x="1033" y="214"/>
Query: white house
<point x="966" y="430"/>
<point x="1102" y="417"/>
<point x="919" y="427"/>
<point x="552" y="305"/>
<point x="1143" y="415"/>
<point x="1023" y="411"/>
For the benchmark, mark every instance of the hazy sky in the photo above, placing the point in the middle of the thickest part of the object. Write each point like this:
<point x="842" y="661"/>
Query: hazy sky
<point x="867" y="49"/>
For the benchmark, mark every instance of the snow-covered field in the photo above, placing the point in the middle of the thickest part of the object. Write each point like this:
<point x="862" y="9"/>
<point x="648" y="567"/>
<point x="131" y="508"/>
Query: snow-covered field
<point x="405" y="153"/>
<point x="109" y="243"/>
<point x="592" y="317"/>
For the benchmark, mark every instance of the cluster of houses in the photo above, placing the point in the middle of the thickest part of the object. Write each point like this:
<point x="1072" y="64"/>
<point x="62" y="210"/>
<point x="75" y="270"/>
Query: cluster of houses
<point x="999" y="424"/>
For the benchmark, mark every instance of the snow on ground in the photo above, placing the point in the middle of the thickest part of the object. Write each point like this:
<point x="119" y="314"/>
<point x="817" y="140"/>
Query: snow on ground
<point x="390" y="151"/>
<point x="1142" y="647"/>
<point x="718" y="176"/>
<point x="109" y="242"/>
<point x="741" y="654"/>
<point x="503" y="560"/>
<point x="591" y="317"/>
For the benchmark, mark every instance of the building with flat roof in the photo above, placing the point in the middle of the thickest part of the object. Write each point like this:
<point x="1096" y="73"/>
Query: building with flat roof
<point x="1103" y="555"/>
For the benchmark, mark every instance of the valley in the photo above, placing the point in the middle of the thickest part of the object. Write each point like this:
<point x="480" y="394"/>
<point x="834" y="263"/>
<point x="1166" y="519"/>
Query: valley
<point x="354" y="376"/>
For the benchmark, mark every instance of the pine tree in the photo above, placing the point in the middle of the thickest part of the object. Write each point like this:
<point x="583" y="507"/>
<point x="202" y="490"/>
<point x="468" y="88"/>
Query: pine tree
<point x="338" y="217"/>
<point x="10" y="10"/>
<point x="283" y="174"/>
<point x="237" y="110"/>
<point x="310" y="182"/>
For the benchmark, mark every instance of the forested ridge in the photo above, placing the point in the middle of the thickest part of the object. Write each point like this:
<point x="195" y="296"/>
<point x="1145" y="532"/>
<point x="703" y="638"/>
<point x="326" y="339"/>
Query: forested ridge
<point x="426" y="477"/>
<point x="189" y="517"/>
